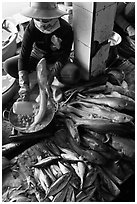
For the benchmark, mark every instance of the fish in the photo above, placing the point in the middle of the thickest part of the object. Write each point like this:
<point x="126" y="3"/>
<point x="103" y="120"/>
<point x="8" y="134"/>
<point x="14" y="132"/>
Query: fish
<point x="44" y="91"/>
<point x="90" y="155"/>
<point x="38" y="175"/>
<point x="90" y="193"/>
<point x="103" y="126"/>
<point x="68" y="108"/>
<point x="46" y="161"/>
<point x="113" y="102"/>
<point x="97" y="145"/>
<point x="74" y="181"/>
<point x="69" y="152"/>
<point x="101" y="137"/>
<point x="96" y="81"/>
<point x="81" y="195"/>
<point x="120" y="89"/>
<point x="70" y="197"/>
<point x="109" y="184"/>
<point x="63" y="168"/>
<point x="100" y="111"/>
<point x="43" y="74"/>
<point x="53" y="148"/>
<point x="90" y="178"/>
<point x="42" y="108"/>
<point x="125" y="146"/>
<point x="45" y="177"/>
<point x="73" y="130"/>
<point x="55" y="170"/>
<point x="75" y="167"/>
<point x="81" y="170"/>
<point x="60" y="196"/>
<point x="59" y="184"/>
<point x="96" y="89"/>
<point x="50" y="174"/>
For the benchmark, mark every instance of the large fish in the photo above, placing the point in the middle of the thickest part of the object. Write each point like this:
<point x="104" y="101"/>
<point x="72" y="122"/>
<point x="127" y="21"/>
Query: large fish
<point x="103" y="126"/>
<point x="44" y="90"/>
<point x="120" y="89"/>
<point x="97" y="145"/>
<point x="113" y="102"/>
<point x="90" y="155"/>
<point x="101" y="111"/>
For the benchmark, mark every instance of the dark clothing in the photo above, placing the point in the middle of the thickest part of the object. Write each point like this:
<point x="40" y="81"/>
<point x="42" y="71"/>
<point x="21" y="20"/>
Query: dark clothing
<point x="125" y="16"/>
<point x="33" y="37"/>
<point x="40" y="43"/>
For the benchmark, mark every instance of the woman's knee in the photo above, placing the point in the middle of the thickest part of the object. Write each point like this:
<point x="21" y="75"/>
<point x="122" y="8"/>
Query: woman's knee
<point x="10" y="66"/>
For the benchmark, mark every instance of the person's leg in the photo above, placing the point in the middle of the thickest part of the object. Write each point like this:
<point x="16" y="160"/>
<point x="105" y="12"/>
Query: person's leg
<point x="10" y="66"/>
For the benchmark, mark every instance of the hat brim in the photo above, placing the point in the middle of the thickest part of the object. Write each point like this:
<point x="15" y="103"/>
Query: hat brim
<point x="42" y="14"/>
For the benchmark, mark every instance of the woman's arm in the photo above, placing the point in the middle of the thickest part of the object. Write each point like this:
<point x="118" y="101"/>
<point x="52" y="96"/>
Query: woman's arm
<point x="26" y="48"/>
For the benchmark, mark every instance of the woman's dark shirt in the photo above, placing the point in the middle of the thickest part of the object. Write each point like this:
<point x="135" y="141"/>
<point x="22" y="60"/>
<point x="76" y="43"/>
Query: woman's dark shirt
<point x="32" y="36"/>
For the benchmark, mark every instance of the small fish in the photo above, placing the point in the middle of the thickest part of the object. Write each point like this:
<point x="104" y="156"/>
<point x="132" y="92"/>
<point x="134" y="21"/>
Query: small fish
<point x="75" y="167"/>
<point x="89" y="179"/>
<point x="110" y="185"/>
<point x="81" y="195"/>
<point x="70" y="197"/>
<point x="40" y="178"/>
<point x="53" y="148"/>
<point x="60" y="196"/>
<point x="50" y="174"/>
<point x="75" y="182"/>
<point x="59" y="184"/>
<point x="69" y="157"/>
<point x="45" y="177"/>
<point x="69" y="152"/>
<point x="46" y="161"/>
<point x="63" y="168"/>
<point x="55" y="170"/>
<point x="73" y="130"/>
<point x="81" y="170"/>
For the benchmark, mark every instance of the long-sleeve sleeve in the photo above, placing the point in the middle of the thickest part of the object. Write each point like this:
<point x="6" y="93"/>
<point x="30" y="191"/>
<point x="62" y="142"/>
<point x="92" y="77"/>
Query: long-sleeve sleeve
<point x="26" y="49"/>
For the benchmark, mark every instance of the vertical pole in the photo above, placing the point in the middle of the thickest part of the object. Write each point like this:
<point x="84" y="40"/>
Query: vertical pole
<point x="92" y="36"/>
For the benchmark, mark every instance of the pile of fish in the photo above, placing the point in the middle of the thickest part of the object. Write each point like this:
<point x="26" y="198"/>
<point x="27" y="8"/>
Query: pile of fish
<point x="90" y="154"/>
<point x="53" y="171"/>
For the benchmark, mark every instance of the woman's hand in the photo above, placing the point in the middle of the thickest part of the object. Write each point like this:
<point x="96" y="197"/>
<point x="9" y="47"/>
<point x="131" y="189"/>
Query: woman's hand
<point x="24" y="93"/>
<point x="24" y="85"/>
